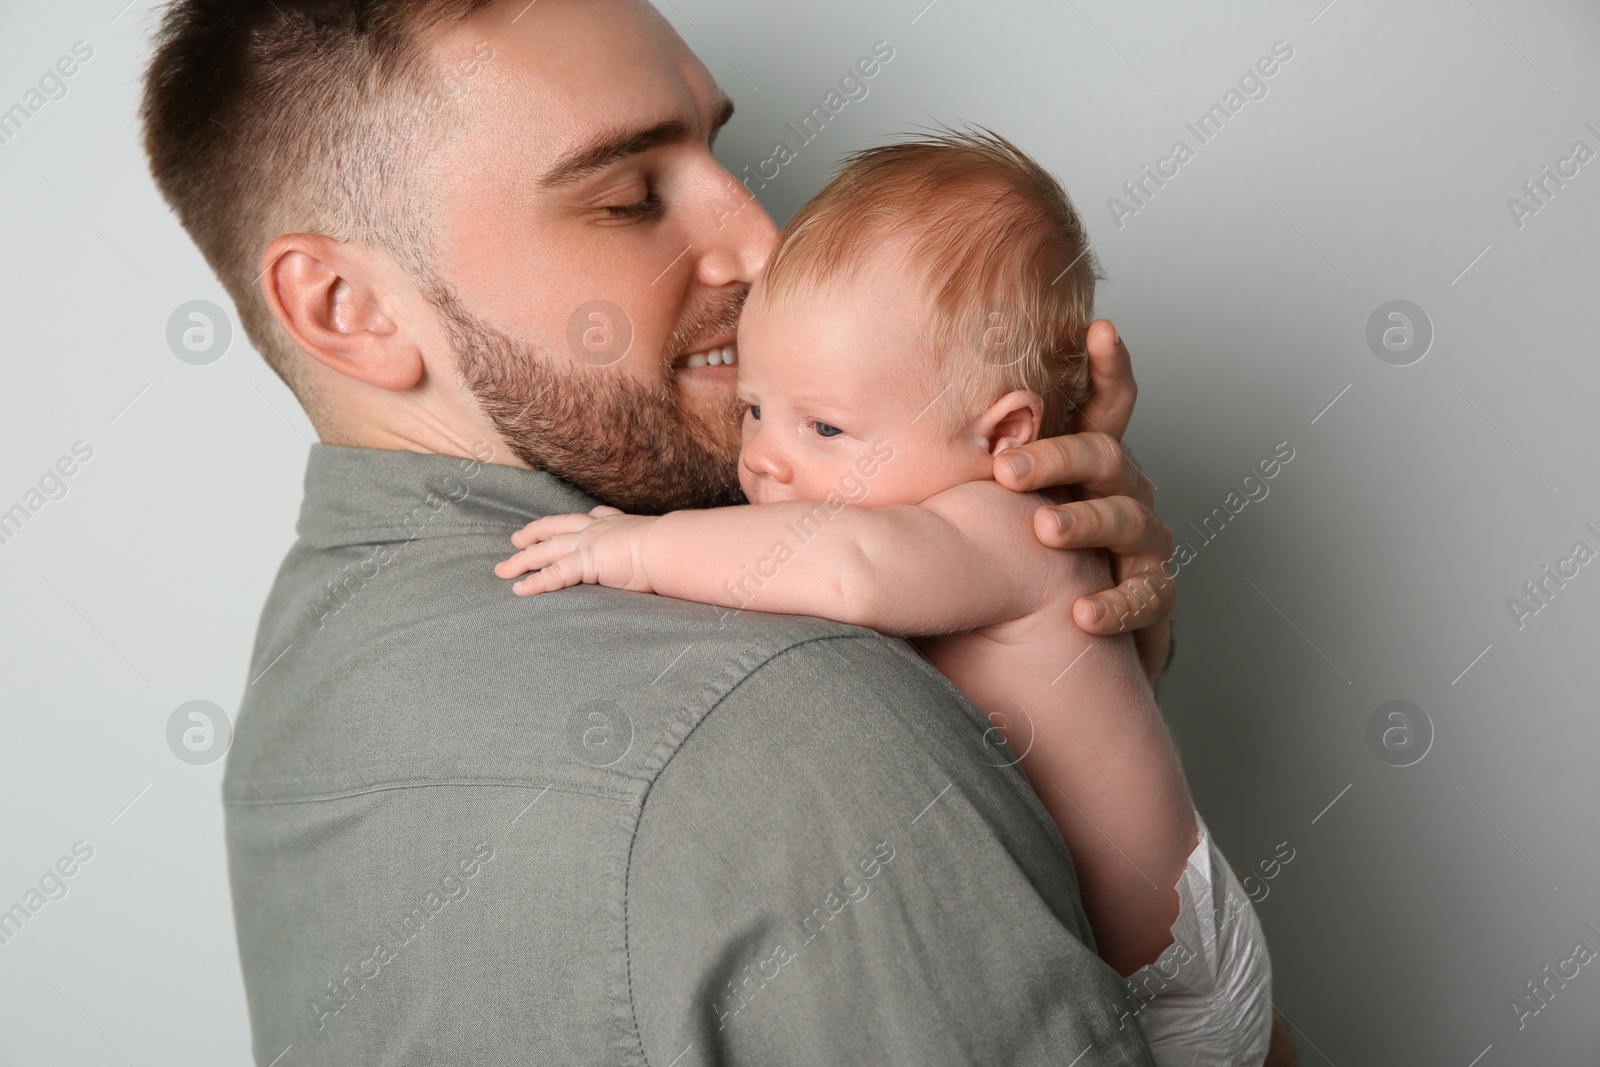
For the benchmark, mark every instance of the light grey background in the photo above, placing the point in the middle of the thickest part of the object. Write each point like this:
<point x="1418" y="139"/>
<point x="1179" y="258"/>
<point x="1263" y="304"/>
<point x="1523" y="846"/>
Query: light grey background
<point x="1378" y="167"/>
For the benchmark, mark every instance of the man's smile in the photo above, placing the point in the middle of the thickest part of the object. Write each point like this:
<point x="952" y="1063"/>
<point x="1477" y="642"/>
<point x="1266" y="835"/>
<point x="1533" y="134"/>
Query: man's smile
<point x="715" y="362"/>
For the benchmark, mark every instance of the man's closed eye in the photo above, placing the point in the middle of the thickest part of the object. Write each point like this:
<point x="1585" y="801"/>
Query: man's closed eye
<point x="651" y="206"/>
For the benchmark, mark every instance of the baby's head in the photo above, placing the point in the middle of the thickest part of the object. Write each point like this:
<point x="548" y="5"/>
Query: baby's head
<point x="926" y="310"/>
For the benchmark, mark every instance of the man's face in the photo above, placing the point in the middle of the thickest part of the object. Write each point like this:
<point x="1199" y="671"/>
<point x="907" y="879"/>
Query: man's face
<point x="590" y="249"/>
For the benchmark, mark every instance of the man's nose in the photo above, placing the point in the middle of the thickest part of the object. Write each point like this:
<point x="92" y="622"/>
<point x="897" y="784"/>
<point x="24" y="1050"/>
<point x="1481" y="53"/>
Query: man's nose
<point x="739" y="235"/>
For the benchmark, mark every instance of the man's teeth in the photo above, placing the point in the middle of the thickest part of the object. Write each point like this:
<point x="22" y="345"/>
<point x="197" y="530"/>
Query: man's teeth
<point x="727" y="355"/>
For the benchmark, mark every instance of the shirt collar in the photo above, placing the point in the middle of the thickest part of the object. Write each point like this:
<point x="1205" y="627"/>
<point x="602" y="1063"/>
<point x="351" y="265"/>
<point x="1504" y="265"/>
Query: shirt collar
<point x="365" y="495"/>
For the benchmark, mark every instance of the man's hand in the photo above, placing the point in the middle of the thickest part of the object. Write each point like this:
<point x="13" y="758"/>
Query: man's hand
<point x="600" y="548"/>
<point x="1115" y="509"/>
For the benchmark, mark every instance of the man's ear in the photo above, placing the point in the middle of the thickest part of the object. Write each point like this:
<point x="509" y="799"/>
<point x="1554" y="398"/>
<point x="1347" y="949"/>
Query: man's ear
<point x="334" y="300"/>
<point x="1014" y="419"/>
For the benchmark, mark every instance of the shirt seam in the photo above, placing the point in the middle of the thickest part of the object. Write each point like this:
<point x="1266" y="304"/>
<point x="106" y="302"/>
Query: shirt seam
<point x="363" y="535"/>
<point x="644" y="799"/>
<point x="574" y="788"/>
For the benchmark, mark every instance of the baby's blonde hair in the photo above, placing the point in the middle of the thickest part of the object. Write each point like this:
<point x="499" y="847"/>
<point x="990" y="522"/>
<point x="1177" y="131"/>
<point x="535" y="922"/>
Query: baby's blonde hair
<point x="999" y="247"/>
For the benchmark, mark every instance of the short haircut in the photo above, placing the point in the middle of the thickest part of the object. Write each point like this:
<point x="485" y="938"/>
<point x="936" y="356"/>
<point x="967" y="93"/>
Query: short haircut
<point x="266" y="117"/>
<point x="996" y="243"/>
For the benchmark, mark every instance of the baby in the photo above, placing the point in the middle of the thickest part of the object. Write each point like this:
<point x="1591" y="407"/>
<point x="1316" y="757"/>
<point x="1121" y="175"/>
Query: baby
<point x="924" y="312"/>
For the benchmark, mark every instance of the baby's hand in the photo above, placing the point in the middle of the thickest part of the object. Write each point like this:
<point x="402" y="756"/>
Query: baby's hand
<point x="600" y="548"/>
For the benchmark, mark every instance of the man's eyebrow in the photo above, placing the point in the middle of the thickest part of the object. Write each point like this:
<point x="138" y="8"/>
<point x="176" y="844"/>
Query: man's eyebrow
<point x="609" y="147"/>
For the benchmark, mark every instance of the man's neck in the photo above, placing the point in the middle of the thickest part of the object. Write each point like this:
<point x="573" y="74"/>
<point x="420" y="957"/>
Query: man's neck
<point x="426" y="435"/>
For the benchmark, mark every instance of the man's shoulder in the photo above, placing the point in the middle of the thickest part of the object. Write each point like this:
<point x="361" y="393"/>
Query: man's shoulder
<point x="415" y="666"/>
<point x="656" y="781"/>
<point x="843" y="811"/>
<point x="841" y="719"/>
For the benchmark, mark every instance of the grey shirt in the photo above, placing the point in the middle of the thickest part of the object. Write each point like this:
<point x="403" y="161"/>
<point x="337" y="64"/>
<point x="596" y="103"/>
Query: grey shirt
<point x="600" y="827"/>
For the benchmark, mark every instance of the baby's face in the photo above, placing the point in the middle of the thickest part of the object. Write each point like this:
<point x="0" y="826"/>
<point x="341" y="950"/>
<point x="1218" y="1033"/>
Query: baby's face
<point x="841" y="401"/>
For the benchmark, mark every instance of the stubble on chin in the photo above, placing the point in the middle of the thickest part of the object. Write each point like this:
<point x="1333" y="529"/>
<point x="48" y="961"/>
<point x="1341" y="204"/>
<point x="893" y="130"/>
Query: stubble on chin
<point x="631" y="444"/>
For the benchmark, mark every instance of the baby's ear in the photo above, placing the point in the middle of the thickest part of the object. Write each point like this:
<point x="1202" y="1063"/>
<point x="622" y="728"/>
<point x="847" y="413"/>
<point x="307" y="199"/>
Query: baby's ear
<point x="1011" y="421"/>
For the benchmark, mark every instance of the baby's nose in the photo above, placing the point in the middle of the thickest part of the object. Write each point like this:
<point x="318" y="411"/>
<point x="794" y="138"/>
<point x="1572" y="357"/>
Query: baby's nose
<point x="764" y="461"/>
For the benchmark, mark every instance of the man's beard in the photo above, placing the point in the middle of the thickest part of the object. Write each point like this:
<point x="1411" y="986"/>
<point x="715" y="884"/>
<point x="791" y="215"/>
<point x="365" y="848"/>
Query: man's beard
<point x="633" y="445"/>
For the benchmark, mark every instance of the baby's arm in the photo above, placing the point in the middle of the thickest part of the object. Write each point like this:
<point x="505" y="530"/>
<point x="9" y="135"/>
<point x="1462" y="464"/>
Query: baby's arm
<point x="903" y="570"/>
<point x="966" y="560"/>
<point x="1079" y="716"/>
<point x="1077" y="712"/>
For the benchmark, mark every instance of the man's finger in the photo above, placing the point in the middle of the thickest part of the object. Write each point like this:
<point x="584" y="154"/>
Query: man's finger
<point x="1120" y="523"/>
<point x="1141" y="601"/>
<point x="1112" y="388"/>
<point x="1095" y="463"/>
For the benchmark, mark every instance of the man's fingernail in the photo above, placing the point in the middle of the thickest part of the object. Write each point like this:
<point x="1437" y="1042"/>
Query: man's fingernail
<point x="1021" y="463"/>
<point x="1063" y="523"/>
<point x="1098" y="609"/>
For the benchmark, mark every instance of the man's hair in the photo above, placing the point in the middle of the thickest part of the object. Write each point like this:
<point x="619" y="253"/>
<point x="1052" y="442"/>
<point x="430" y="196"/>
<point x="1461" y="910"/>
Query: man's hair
<point x="266" y="117"/>
<point x="997" y="245"/>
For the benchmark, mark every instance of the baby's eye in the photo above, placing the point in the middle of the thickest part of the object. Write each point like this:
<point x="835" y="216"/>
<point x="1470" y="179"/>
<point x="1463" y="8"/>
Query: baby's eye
<point x="824" y="430"/>
<point x="755" y="412"/>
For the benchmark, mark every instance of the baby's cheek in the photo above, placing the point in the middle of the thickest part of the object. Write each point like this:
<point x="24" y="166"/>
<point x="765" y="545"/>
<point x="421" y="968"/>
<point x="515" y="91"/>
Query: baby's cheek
<point x="772" y="492"/>
<point x="909" y="475"/>
<point x="854" y="484"/>
<point x="747" y="482"/>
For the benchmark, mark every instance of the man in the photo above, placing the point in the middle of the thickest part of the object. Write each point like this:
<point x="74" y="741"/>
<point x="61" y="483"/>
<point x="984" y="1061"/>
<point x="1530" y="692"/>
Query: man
<point x="594" y="827"/>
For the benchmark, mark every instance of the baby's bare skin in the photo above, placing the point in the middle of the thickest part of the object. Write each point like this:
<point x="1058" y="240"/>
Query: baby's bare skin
<point x="842" y="406"/>
<point x="1089" y="733"/>
<point x="989" y="606"/>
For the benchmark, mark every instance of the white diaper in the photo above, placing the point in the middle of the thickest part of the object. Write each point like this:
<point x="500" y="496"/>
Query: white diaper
<point x="1206" y="1001"/>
